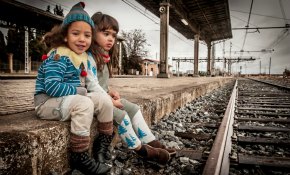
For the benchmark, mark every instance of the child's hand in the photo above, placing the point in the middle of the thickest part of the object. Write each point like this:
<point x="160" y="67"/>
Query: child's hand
<point x="114" y="94"/>
<point x="117" y="103"/>
<point x="81" y="91"/>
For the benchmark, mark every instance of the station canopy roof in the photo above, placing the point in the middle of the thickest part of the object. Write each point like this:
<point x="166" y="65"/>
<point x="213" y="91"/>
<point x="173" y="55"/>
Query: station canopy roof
<point x="210" y="17"/>
<point x="16" y="13"/>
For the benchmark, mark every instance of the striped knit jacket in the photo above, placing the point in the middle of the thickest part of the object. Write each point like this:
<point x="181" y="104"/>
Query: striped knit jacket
<point x="61" y="77"/>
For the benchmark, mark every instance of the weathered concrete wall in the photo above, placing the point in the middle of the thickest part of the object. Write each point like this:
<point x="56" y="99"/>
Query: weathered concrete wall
<point x="29" y="146"/>
<point x="154" y="109"/>
<point x="33" y="146"/>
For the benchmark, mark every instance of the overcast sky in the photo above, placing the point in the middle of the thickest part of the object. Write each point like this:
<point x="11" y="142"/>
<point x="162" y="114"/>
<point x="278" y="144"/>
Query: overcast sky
<point x="265" y="13"/>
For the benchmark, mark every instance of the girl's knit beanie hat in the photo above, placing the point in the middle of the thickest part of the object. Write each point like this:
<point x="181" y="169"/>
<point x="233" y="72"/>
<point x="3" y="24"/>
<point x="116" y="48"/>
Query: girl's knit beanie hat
<point x="77" y="13"/>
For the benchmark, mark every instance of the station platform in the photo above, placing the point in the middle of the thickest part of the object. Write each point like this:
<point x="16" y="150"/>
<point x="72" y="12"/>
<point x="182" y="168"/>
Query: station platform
<point x="33" y="146"/>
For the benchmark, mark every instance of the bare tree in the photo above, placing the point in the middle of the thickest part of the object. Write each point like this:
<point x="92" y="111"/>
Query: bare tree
<point x="135" y="41"/>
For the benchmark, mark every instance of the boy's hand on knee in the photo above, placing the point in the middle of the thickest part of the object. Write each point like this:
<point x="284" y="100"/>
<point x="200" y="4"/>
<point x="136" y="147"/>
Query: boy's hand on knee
<point x="81" y="91"/>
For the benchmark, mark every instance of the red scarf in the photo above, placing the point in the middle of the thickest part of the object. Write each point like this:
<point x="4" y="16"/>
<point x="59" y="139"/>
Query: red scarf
<point x="105" y="55"/>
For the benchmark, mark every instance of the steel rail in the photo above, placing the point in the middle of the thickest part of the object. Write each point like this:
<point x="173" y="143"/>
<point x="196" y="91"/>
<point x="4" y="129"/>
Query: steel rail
<point x="277" y="85"/>
<point x="218" y="159"/>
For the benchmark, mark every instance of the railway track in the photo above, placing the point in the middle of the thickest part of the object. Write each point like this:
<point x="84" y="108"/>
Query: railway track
<point x="242" y="128"/>
<point x="254" y="135"/>
<point x="192" y="129"/>
<point x="261" y="129"/>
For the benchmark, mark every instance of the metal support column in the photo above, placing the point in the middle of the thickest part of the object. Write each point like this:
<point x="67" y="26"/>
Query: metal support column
<point x="208" y="58"/>
<point x="213" y="60"/>
<point x="120" y="58"/>
<point x="164" y="29"/>
<point x="27" y="61"/>
<point x="196" y="51"/>
<point x="10" y="61"/>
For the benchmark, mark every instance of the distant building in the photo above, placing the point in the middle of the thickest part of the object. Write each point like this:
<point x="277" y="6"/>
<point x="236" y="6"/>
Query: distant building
<point x="150" y="67"/>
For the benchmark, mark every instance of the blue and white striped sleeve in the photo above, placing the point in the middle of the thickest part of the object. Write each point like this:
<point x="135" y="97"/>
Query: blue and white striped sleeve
<point x="53" y="79"/>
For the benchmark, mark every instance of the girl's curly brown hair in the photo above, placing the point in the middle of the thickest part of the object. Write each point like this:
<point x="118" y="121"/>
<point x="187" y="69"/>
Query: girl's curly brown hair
<point x="102" y="23"/>
<point x="56" y="36"/>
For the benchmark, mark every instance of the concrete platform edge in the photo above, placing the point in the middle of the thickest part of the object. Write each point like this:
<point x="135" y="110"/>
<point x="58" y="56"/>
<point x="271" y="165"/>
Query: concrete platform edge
<point x="32" y="146"/>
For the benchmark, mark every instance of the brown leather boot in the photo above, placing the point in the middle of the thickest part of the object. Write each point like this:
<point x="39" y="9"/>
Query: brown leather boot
<point x="154" y="154"/>
<point x="158" y="144"/>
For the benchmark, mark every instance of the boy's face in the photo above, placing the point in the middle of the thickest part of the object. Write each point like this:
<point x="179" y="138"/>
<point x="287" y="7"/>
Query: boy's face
<point x="106" y="39"/>
<point x="79" y="37"/>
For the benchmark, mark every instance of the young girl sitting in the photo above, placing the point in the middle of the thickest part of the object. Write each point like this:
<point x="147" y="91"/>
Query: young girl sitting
<point x="132" y="127"/>
<point x="67" y="89"/>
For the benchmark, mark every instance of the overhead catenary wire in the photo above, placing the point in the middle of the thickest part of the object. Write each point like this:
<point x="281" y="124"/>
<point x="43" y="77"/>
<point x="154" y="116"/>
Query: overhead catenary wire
<point x="284" y="33"/>
<point x="258" y="28"/>
<point x="242" y="20"/>
<point x="247" y="26"/>
<point x="283" y="12"/>
<point x="151" y="18"/>
<point x="140" y="11"/>
<point x="280" y="38"/>
<point x="256" y="14"/>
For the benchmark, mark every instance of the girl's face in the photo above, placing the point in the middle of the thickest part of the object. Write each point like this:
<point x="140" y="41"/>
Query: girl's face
<point x="106" y="39"/>
<point x="79" y="37"/>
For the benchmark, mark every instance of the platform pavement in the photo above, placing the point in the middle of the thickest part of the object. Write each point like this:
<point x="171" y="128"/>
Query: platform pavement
<point x="33" y="146"/>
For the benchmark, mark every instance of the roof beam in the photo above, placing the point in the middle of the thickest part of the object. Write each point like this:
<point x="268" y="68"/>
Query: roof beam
<point x="214" y="26"/>
<point x="180" y="12"/>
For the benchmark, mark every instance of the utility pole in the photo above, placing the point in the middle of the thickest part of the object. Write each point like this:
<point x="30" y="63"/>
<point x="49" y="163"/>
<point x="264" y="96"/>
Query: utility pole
<point x="229" y="61"/>
<point x="270" y="66"/>
<point x="260" y="67"/>
<point x="178" y="63"/>
<point x="225" y="62"/>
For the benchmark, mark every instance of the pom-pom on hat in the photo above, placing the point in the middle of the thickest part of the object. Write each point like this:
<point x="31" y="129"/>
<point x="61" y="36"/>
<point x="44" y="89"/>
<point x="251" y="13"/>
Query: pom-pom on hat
<point x="77" y="13"/>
